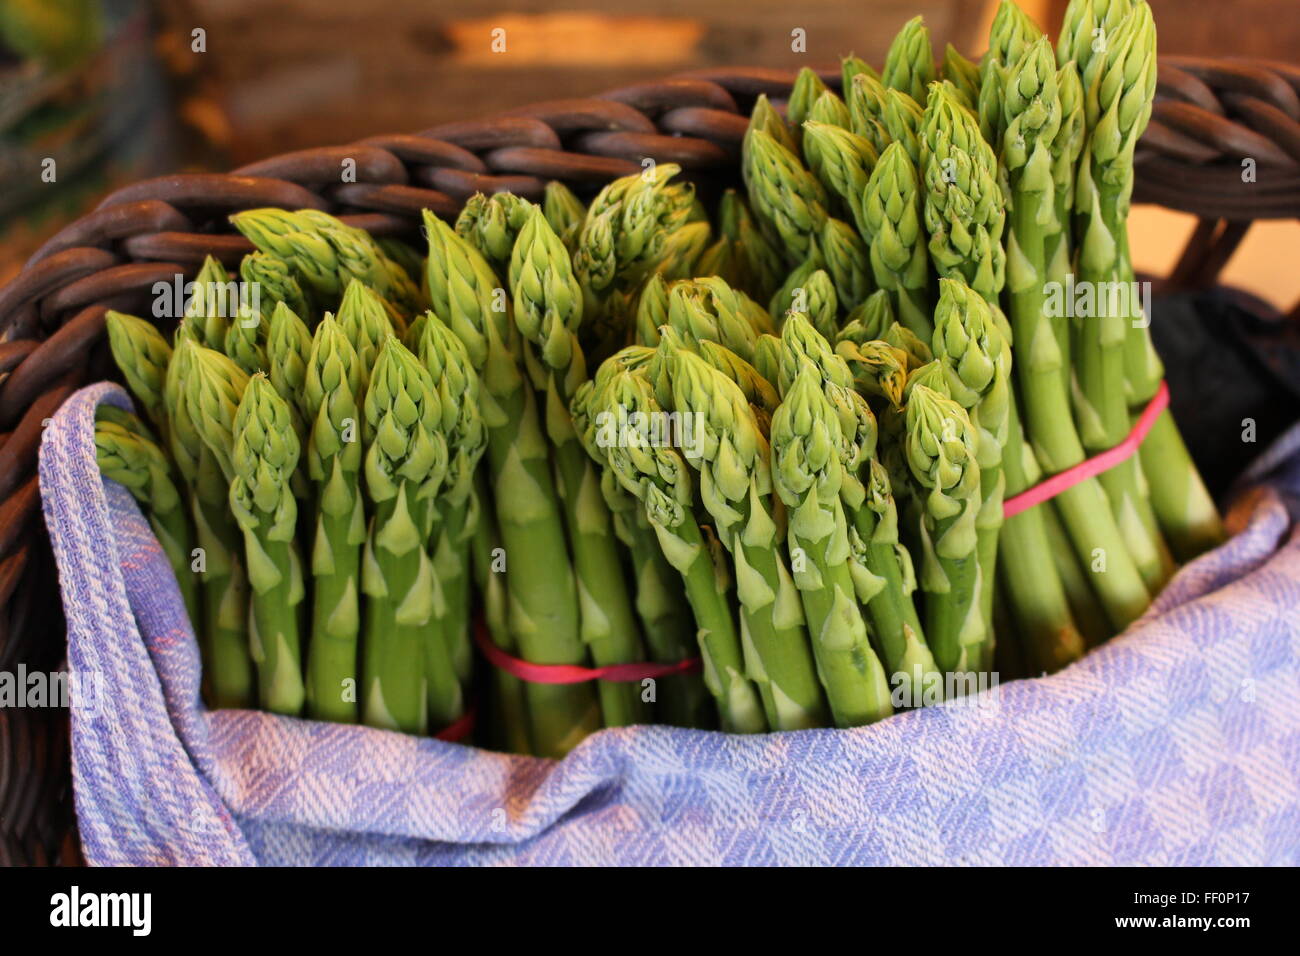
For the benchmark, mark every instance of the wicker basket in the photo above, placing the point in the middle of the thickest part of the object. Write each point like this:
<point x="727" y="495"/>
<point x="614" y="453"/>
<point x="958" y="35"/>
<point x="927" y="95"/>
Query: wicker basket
<point x="1211" y="114"/>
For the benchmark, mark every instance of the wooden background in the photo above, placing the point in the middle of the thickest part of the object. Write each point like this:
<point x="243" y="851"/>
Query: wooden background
<point x="281" y="74"/>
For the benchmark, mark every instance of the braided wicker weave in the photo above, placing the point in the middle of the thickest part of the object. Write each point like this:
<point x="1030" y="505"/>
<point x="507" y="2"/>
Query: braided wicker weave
<point x="1211" y="115"/>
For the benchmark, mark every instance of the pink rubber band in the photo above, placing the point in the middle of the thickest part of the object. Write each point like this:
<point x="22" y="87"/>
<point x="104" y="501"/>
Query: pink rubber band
<point x="573" y="673"/>
<point x="458" y="731"/>
<point x="1045" y="491"/>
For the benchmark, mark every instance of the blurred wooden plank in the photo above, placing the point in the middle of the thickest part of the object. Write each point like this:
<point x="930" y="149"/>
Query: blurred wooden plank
<point x="297" y="73"/>
<point x="572" y="39"/>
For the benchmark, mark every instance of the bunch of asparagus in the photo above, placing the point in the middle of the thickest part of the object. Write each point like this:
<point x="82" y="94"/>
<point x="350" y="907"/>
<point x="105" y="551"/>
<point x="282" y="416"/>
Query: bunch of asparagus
<point x="615" y="435"/>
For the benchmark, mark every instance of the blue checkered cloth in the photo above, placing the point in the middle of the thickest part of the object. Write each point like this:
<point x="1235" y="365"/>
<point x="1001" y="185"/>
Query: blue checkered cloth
<point x="1176" y="743"/>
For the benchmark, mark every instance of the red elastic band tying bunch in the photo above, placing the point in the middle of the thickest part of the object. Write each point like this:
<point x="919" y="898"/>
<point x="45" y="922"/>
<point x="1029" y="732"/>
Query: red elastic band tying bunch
<point x="458" y="731"/>
<point x="573" y="673"/>
<point x="1094" y="466"/>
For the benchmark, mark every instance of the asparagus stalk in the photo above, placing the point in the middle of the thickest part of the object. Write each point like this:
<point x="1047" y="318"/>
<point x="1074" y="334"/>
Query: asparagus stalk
<point x="405" y="465"/>
<point x="847" y="262"/>
<point x="891" y="224"/>
<point x="963" y="74"/>
<point x="758" y="391"/>
<point x="449" y="652"/>
<point x="363" y="318"/>
<point x="263" y="456"/>
<point x="965" y="213"/>
<point x="211" y="387"/>
<point x="565" y="212"/>
<point x="627" y="421"/>
<point x="784" y="298"/>
<point x="510" y="729"/>
<point x="1182" y="505"/>
<point x="883" y="569"/>
<point x="1033" y="579"/>
<point x="976" y="358"/>
<point x="808" y="473"/>
<point x="879" y="369"/>
<point x="941" y="448"/>
<point x="211" y="306"/>
<point x="661" y="604"/>
<point x="902" y="118"/>
<point x="491" y="223"/>
<point x="706" y="310"/>
<point x="324" y="255"/>
<point x="142" y="355"/>
<point x="334" y="389"/>
<point x="964" y="207"/>
<point x="543" y="593"/>
<point x="808" y="88"/>
<point x="909" y="64"/>
<point x="741" y="256"/>
<point x="627" y="228"/>
<point x="1088" y="27"/>
<point x="730" y="450"/>
<point x="128" y="454"/>
<point x="1010" y="35"/>
<point x="245" y="340"/>
<point x="783" y="193"/>
<point x="767" y="357"/>
<point x="843" y="161"/>
<point x="829" y="110"/>
<point x="851" y="66"/>
<point x="1032" y="111"/>
<point x="821" y="304"/>
<point x="1119" y="86"/>
<point x="221" y="566"/>
<point x="548" y="311"/>
<point x="865" y="98"/>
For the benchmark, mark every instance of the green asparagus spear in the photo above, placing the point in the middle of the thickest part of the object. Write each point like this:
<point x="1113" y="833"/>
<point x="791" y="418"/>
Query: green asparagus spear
<point x="334" y="390"/>
<point x="808" y="88"/>
<point x="565" y="212"/>
<point x="211" y="386"/>
<point x="1119" y="85"/>
<point x="224" y="630"/>
<point x="784" y="194"/>
<point x="851" y="66"/>
<point x="325" y="254"/>
<point x="964" y="207"/>
<point x="892" y="215"/>
<point x="491" y="223"/>
<point x="865" y="98"/>
<point x="976" y="360"/>
<point x="628" y="421"/>
<point x="909" y="64"/>
<point x="807" y="473"/>
<point x="142" y="355"/>
<point x="405" y="465"/>
<point x="963" y="74"/>
<point x="548" y="311"/>
<point x="543" y="593"/>
<point x="730" y="450"/>
<point x="882" y="568"/>
<point x="941" y="449"/>
<point x="447" y="667"/>
<point x="1032" y="111"/>
<point x="843" y="161"/>
<point x="264" y="455"/>
<point x="665" y="616"/>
